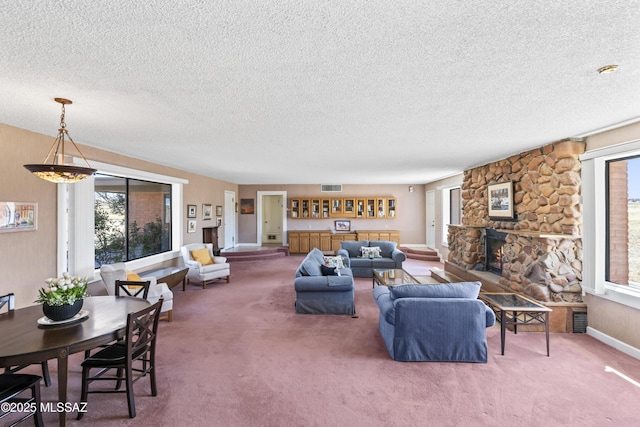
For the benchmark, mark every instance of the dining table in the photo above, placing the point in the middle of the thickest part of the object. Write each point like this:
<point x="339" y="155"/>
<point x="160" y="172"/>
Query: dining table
<point x="26" y="336"/>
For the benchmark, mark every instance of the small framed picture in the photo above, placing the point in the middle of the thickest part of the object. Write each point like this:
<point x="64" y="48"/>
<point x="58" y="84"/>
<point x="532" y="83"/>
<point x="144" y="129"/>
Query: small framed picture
<point x="219" y="222"/>
<point x="247" y="207"/>
<point x="218" y="210"/>
<point x="18" y="216"/>
<point x="500" y="200"/>
<point x="191" y="211"/>
<point x="343" y="225"/>
<point x="191" y="226"/>
<point x="206" y="211"/>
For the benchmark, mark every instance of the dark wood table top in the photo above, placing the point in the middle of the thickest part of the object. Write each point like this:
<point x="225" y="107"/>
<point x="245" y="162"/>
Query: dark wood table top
<point x="23" y="340"/>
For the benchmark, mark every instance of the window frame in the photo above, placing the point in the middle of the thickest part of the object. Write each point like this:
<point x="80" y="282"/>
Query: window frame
<point x="594" y="198"/>
<point x="76" y="251"/>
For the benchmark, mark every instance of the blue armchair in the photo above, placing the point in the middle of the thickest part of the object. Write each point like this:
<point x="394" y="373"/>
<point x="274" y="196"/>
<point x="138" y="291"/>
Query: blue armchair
<point x="440" y="323"/>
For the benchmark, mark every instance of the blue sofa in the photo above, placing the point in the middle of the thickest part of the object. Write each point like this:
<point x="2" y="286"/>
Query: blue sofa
<point x="320" y="294"/>
<point x="439" y="323"/>
<point x="362" y="266"/>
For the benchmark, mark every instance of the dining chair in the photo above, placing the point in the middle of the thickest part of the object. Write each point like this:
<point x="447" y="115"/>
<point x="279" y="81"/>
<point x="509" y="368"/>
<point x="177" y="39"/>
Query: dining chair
<point x="12" y="386"/>
<point x="9" y="301"/>
<point x="135" y="355"/>
<point x="132" y="289"/>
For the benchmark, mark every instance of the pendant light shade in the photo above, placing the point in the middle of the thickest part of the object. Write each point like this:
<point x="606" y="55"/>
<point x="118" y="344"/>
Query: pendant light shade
<point x="53" y="166"/>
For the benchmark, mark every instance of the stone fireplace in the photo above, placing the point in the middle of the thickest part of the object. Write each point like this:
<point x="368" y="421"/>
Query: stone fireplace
<point x="539" y="252"/>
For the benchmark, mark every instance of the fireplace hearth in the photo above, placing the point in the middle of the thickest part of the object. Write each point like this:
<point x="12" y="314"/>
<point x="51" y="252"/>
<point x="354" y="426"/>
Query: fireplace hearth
<point x="494" y="255"/>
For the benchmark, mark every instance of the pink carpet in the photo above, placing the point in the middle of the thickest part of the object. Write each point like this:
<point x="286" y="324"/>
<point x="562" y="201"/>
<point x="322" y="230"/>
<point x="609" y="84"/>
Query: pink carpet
<point x="237" y="355"/>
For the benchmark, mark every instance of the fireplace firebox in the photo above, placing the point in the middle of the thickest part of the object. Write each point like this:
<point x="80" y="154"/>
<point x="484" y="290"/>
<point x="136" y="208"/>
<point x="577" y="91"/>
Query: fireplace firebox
<point x="494" y="255"/>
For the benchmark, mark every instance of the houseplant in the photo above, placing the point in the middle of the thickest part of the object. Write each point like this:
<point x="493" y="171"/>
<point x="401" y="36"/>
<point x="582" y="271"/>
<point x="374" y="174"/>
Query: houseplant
<point x="62" y="298"/>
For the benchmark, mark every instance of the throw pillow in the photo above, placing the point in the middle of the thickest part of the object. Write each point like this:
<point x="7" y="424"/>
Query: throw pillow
<point x="328" y="271"/>
<point x="370" y="252"/>
<point x="202" y="256"/>
<point x="310" y="268"/>
<point x="334" y="261"/>
<point x="442" y="290"/>
<point x="133" y="277"/>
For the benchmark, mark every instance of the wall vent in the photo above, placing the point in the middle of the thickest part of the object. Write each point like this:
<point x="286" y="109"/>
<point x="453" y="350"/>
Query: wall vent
<point x="331" y="188"/>
<point x="579" y="322"/>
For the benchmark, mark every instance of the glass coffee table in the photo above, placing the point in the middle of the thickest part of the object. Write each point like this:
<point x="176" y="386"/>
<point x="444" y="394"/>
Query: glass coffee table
<point x="392" y="276"/>
<point x="514" y="309"/>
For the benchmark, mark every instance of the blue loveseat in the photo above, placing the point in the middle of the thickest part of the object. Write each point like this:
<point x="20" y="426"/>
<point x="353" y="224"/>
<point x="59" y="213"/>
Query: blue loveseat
<point x="317" y="293"/>
<point x="362" y="266"/>
<point x="440" y="323"/>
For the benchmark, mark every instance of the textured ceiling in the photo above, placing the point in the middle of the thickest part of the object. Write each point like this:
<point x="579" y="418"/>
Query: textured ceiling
<point x="333" y="91"/>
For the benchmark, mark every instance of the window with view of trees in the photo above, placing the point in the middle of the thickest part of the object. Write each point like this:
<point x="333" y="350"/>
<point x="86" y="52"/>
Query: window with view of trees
<point x="623" y="221"/>
<point x="132" y="219"/>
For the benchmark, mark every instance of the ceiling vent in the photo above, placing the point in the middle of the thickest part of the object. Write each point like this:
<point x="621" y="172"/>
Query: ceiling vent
<point x="331" y="188"/>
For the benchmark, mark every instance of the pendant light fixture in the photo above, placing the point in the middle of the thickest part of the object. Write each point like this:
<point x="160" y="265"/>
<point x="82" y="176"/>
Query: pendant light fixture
<point x="53" y="167"/>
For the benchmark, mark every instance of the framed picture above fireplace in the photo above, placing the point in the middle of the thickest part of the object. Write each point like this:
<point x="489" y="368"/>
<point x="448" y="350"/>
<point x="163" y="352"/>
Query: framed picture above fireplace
<point x="500" y="200"/>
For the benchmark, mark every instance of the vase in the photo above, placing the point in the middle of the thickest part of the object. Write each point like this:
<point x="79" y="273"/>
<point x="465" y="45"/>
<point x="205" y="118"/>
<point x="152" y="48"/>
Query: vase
<point x="62" y="312"/>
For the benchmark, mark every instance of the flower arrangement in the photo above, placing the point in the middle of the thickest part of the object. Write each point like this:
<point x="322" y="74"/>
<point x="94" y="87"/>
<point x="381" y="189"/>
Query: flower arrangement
<point x="63" y="290"/>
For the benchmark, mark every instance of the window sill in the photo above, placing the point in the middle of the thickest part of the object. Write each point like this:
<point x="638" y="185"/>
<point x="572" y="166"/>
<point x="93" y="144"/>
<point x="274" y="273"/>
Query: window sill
<point x="621" y="294"/>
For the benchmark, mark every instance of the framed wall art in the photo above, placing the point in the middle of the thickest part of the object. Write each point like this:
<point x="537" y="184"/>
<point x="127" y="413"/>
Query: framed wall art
<point x="219" y="222"/>
<point x="192" y="211"/>
<point x="191" y="226"/>
<point x="343" y="225"/>
<point x="218" y="210"/>
<point x="207" y="211"/>
<point x="18" y="216"/>
<point x="246" y="206"/>
<point x="500" y="200"/>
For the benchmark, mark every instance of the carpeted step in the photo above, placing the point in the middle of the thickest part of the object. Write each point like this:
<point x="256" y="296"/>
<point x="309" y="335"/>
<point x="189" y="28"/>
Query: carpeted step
<point x="421" y="254"/>
<point x="258" y="254"/>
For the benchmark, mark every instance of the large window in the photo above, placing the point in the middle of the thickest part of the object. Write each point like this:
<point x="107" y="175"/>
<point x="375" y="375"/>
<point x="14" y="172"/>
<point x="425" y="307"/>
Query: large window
<point x="132" y="219"/>
<point x="623" y="221"/>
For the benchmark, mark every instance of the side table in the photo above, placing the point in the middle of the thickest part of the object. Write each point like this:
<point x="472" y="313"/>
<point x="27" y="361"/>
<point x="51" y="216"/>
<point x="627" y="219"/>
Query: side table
<point x="172" y="276"/>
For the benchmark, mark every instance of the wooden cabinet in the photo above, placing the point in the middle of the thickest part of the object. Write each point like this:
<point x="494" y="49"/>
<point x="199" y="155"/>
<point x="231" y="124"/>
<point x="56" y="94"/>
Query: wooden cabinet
<point x="301" y="242"/>
<point x="390" y="235"/>
<point x="339" y="237"/>
<point x="326" y="208"/>
<point x="391" y="207"/>
<point x="381" y="208"/>
<point x="294" y="208"/>
<point x="316" y="206"/>
<point x="344" y="207"/>
<point x="361" y="208"/>
<point x="325" y="241"/>
<point x="371" y="208"/>
<point x="294" y="242"/>
<point x="349" y="208"/>
<point x="306" y="209"/>
<point x="336" y="208"/>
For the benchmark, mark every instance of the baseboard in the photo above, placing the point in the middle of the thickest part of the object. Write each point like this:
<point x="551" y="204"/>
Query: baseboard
<point x="614" y="342"/>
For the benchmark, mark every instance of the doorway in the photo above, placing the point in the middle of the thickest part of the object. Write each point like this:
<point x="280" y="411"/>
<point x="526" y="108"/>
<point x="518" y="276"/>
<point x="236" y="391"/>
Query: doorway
<point x="271" y="218"/>
<point x="431" y="218"/>
<point x="229" y="219"/>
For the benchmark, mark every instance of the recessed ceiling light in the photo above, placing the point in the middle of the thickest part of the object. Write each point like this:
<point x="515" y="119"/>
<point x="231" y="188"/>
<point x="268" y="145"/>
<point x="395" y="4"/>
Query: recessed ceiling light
<point x="608" y="69"/>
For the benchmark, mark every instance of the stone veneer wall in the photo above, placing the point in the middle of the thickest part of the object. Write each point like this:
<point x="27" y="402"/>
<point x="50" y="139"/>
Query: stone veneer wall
<point x="543" y="249"/>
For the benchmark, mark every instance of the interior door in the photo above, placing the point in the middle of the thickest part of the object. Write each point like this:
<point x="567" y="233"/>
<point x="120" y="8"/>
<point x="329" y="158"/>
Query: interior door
<point x="229" y="219"/>
<point x="431" y="218"/>
<point x="272" y="219"/>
